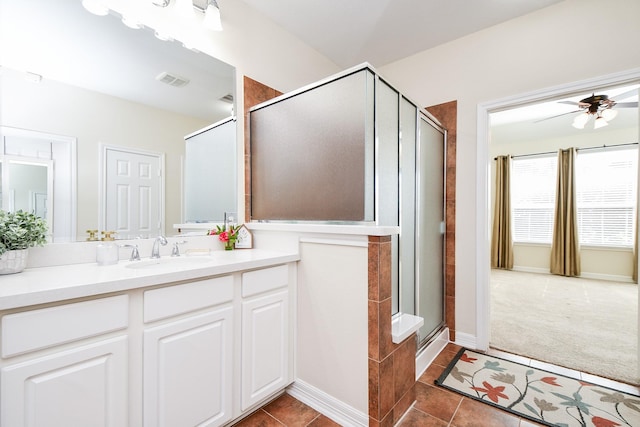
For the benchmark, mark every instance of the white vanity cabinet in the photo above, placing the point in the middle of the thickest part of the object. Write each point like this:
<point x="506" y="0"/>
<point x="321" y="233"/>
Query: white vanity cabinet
<point x="266" y="334"/>
<point x="59" y="370"/>
<point x="187" y="366"/>
<point x="200" y="346"/>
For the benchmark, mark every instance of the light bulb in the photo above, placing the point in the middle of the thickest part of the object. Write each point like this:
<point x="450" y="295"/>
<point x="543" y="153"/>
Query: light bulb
<point x="580" y="121"/>
<point x="97" y="7"/>
<point x="161" y="35"/>
<point x="212" y="17"/>
<point x="131" y="23"/>
<point x="600" y="122"/>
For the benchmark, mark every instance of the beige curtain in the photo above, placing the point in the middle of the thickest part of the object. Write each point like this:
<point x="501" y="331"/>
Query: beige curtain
<point x="565" y="249"/>
<point x="501" y="240"/>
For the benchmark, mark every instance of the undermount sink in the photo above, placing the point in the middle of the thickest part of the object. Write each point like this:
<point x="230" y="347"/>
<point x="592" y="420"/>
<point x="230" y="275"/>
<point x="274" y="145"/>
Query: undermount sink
<point x="184" y="261"/>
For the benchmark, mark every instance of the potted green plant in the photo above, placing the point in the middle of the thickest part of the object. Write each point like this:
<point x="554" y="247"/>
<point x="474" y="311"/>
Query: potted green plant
<point x="18" y="232"/>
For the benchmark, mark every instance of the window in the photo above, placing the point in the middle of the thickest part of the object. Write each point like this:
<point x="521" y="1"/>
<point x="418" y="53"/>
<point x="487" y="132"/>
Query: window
<point x="606" y="184"/>
<point x="533" y="187"/>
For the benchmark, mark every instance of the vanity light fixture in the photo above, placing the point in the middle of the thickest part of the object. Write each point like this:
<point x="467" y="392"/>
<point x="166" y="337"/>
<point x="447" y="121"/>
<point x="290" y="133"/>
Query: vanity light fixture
<point x="97" y="7"/>
<point x="32" y="77"/>
<point x="211" y="12"/>
<point x="131" y="23"/>
<point x="212" y="16"/>
<point x="161" y="35"/>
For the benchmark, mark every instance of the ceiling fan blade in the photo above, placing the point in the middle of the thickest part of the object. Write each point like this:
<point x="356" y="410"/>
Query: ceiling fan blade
<point x="574" y="103"/>
<point x="626" y="105"/>
<point x="627" y="94"/>
<point x="569" y="102"/>
<point x="558" y="115"/>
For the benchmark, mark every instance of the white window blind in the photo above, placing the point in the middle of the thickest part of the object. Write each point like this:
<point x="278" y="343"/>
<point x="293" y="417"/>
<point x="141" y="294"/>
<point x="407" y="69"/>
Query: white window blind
<point x="533" y="186"/>
<point x="606" y="182"/>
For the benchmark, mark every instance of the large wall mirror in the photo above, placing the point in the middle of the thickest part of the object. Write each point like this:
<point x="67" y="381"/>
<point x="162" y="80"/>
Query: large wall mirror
<point x="69" y="75"/>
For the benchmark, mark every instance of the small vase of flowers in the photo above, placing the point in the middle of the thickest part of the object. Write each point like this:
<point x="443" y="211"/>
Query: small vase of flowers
<point x="227" y="235"/>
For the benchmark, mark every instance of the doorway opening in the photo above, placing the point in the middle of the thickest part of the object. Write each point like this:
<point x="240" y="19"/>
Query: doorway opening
<point x="43" y="167"/>
<point x="547" y="131"/>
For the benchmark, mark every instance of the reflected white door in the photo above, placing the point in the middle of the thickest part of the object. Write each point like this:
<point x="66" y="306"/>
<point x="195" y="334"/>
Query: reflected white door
<point x="133" y="193"/>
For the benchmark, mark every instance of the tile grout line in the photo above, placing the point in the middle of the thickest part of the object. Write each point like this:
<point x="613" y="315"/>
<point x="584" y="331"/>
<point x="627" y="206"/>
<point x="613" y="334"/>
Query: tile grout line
<point x="314" y="418"/>
<point x="277" y="420"/>
<point x="455" y="412"/>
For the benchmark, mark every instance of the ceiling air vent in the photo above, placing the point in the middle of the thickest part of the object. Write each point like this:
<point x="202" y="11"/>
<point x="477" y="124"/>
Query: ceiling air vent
<point x="172" y="79"/>
<point x="227" y="98"/>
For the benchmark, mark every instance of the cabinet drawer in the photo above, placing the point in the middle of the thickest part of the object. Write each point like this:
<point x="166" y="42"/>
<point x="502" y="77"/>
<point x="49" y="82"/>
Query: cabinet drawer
<point x="46" y="327"/>
<point x="173" y="300"/>
<point x="267" y="279"/>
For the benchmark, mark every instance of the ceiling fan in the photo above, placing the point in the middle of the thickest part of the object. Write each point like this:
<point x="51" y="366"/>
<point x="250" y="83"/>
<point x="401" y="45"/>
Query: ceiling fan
<point x="598" y="106"/>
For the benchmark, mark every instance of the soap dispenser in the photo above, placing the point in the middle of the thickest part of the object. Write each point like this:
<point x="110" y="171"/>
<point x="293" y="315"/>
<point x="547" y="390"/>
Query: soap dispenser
<point x="107" y="252"/>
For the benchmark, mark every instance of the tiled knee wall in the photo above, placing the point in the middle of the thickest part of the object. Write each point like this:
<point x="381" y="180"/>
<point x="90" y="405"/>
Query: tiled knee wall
<point x="392" y="367"/>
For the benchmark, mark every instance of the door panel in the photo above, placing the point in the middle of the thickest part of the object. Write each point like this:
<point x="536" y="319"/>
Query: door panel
<point x="133" y="193"/>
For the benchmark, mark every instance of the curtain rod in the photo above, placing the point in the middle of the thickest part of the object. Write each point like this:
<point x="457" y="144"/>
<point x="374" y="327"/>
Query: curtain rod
<point x="578" y="149"/>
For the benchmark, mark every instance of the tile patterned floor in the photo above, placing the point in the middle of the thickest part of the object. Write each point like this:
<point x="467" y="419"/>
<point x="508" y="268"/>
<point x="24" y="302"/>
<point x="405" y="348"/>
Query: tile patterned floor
<point x="434" y="407"/>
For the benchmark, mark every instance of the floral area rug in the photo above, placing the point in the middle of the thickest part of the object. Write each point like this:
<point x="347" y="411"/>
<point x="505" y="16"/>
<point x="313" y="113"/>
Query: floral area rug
<point x="538" y="395"/>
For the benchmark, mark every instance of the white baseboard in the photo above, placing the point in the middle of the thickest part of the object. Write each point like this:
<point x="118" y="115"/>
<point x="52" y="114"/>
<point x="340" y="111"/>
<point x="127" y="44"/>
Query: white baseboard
<point x="583" y="275"/>
<point x="531" y="269"/>
<point x="610" y="277"/>
<point x="466" y="340"/>
<point x="426" y="356"/>
<point x="338" y="411"/>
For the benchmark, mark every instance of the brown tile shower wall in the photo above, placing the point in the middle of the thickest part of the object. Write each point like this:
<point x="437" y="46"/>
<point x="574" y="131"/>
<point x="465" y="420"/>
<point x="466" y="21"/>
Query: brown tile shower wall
<point x="447" y="114"/>
<point x="391" y="366"/>
<point x="254" y="94"/>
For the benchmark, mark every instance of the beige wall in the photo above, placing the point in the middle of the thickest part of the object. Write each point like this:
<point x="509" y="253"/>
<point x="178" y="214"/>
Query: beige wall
<point x="597" y="263"/>
<point x="541" y="50"/>
<point x="95" y="119"/>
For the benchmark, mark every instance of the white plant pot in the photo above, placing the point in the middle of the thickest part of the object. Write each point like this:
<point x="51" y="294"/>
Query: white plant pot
<point x="13" y="261"/>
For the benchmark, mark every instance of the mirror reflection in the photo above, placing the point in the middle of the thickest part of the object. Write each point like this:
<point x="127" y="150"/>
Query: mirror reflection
<point x="74" y="86"/>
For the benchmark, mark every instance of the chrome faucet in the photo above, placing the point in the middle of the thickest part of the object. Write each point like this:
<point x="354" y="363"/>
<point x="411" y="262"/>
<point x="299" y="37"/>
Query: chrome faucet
<point x="155" y="251"/>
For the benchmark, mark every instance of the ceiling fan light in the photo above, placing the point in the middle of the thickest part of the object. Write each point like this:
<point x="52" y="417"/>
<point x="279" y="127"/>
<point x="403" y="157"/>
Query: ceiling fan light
<point x="600" y="122"/>
<point x="97" y="7"/>
<point x="609" y="114"/>
<point x="212" y="19"/>
<point x="580" y="121"/>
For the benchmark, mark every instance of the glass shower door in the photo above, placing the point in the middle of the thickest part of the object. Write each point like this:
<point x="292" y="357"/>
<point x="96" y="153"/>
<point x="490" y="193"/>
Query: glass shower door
<point x="429" y="242"/>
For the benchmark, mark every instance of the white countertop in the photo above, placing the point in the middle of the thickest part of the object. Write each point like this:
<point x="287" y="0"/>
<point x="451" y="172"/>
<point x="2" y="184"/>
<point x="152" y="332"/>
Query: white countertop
<point x="57" y="283"/>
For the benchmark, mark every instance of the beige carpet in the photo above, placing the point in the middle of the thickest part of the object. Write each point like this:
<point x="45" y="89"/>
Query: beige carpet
<point x="583" y="324"/>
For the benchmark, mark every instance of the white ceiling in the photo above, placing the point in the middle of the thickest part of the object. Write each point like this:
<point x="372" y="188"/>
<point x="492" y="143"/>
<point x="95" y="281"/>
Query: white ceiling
<point x="350" y="32"/>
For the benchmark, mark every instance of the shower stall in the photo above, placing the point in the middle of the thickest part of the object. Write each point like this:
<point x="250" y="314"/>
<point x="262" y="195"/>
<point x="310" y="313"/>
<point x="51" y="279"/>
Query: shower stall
<point x="352" y="149"/>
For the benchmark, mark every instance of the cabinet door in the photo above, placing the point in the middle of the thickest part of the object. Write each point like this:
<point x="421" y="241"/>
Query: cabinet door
<point x="188" y="371"/>
<point x="265" y="346"/>
<point x="84" y="386"/>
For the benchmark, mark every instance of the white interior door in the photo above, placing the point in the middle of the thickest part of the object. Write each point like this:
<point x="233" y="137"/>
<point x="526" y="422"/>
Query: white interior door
<point x="132" y="201"/>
